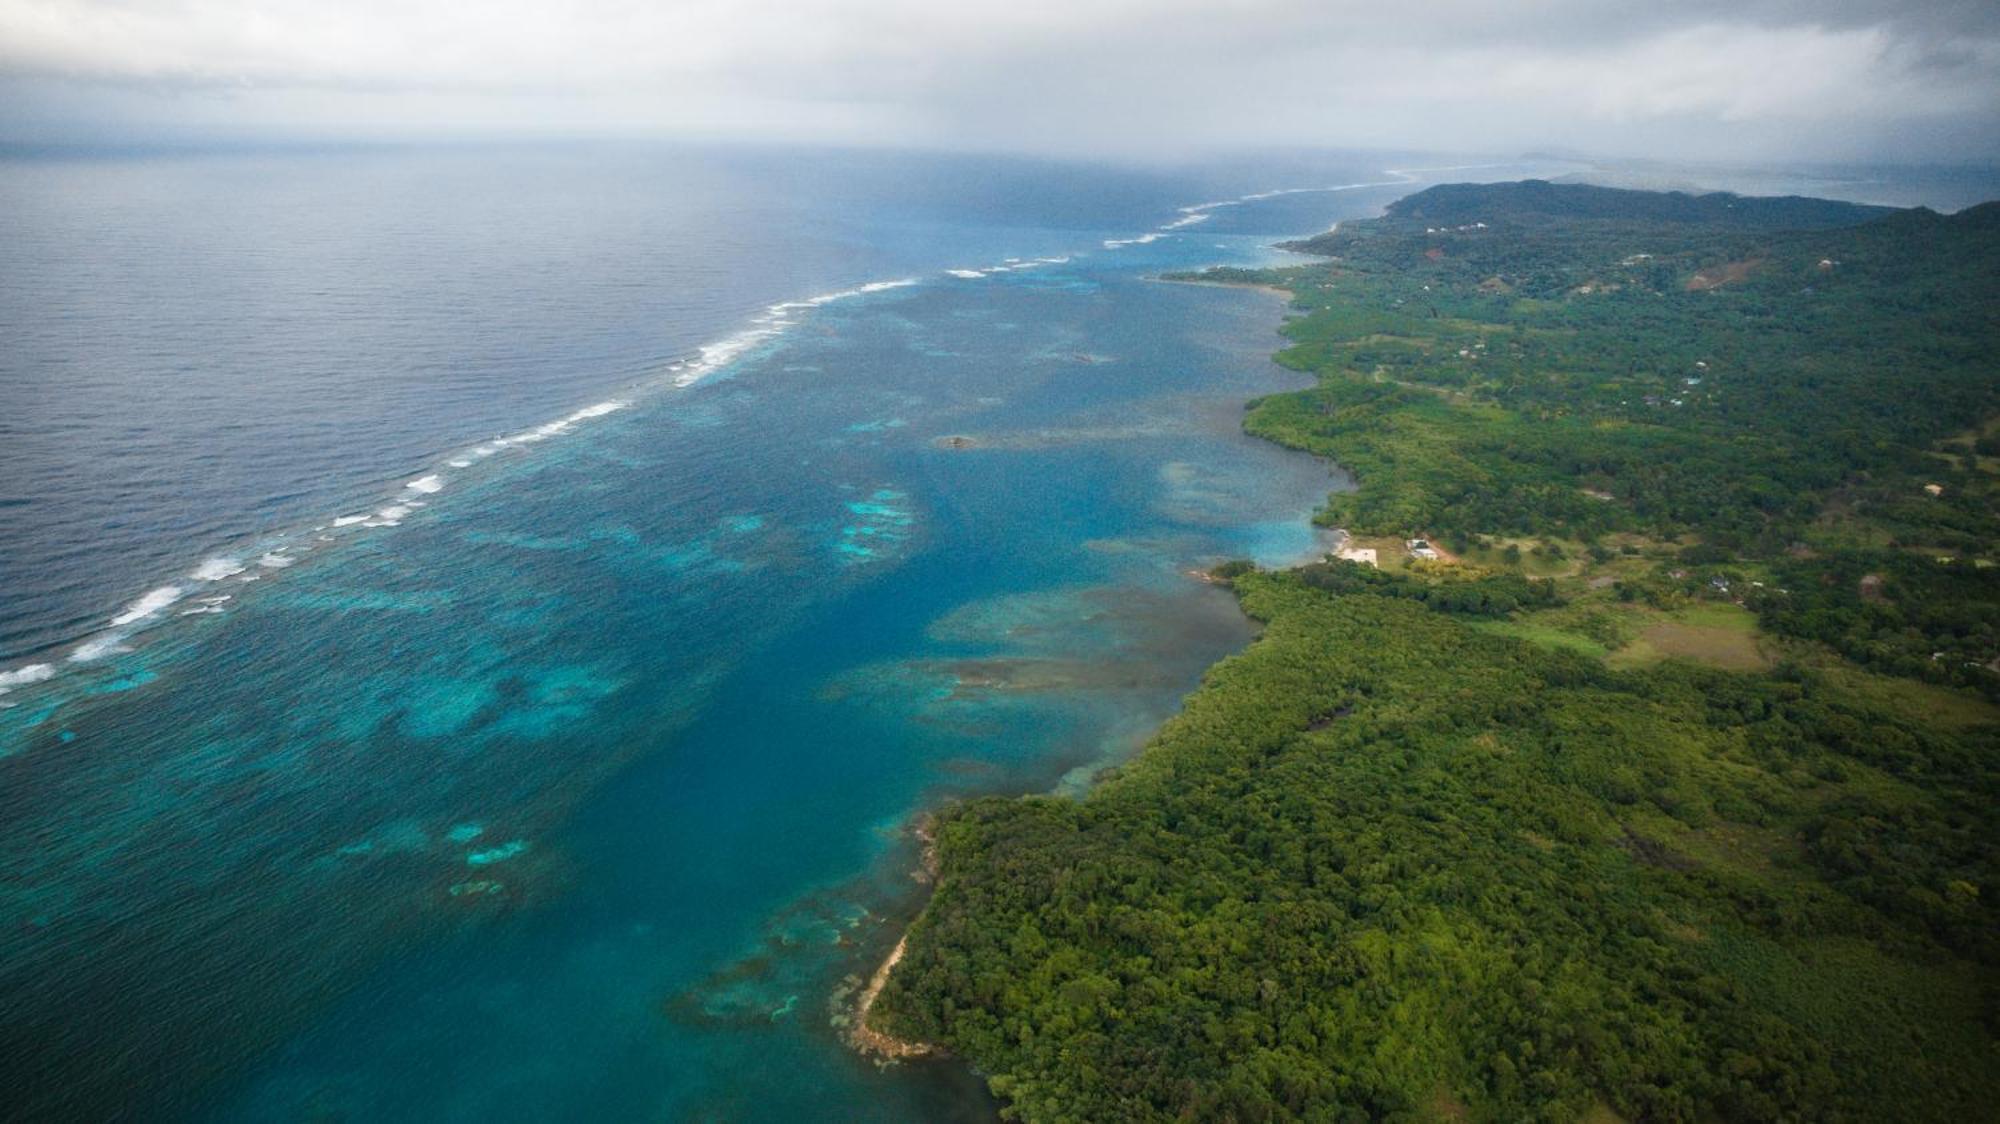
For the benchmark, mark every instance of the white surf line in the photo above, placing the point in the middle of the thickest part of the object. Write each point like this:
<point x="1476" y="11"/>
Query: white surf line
<point x="765" y="327"/>
<point x="24" y="676"/>
<point x="1195" y="213"/>
<point x="275" y="552"/>
<point x="1410" y="172"/>
<point x="1009" y="265"/>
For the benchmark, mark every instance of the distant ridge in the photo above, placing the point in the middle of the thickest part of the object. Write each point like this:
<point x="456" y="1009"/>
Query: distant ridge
<point x="1452" y="204"/>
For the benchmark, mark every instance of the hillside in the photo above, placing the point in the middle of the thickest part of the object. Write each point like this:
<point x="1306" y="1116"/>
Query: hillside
<point x="1667" y="794"/>
<point x="1536" y="202"/>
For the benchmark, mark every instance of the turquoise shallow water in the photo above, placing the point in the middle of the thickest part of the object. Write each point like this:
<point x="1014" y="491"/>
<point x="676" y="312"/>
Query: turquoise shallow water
<point x="576" y="787"/>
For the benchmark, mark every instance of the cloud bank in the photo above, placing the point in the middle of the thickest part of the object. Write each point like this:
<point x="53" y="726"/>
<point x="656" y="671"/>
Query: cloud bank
<point x="1839" y="79"/>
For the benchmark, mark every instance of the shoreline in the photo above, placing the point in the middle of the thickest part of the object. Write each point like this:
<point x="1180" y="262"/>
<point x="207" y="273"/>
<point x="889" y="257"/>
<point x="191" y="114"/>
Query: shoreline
<point x="882" y="1048"/>
<point x="878" y="1046"/>
<point x="1254" y="286"/>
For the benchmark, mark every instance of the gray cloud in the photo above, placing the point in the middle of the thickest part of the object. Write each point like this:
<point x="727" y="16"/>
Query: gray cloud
<point x="1832" y="78"/>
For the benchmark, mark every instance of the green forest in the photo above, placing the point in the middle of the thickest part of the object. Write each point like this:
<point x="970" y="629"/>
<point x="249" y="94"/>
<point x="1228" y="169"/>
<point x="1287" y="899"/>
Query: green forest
<point x="1666" y="793"/>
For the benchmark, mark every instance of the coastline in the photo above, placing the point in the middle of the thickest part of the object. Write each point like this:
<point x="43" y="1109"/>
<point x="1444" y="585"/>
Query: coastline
<point x="876" y="1045"/>
<point x="879" y="1046"/>
<point x="1255" y="286"/>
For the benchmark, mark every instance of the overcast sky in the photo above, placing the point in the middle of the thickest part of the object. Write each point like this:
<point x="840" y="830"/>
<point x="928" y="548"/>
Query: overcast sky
<point x="1724" y="79"/>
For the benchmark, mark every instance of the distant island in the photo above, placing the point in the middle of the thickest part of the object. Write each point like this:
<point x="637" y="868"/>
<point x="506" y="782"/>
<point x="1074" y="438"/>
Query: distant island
<point x="1638" y="758"/>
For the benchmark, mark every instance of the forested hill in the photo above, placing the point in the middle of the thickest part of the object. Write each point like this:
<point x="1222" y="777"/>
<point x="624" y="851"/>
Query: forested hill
<point x="1539" y="201"/>
<point x="1668" y="792"/>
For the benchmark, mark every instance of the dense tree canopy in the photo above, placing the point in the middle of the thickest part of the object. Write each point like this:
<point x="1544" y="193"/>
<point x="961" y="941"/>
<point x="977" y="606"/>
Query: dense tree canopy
<point x="1445" y="843"/>
<point x="1385" y="863"/>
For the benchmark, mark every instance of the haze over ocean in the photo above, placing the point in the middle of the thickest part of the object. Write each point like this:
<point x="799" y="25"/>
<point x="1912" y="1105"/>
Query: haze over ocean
<point x="478" y="621"/>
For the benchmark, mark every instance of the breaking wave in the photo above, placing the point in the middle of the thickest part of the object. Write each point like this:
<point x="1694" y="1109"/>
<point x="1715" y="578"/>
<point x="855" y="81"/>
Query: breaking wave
<point x="26" y="675"/>
<point x="148" y="606"/>
<point x="765" y="328"/>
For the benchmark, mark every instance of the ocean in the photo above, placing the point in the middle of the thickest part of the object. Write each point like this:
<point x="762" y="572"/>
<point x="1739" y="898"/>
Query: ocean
<point x="478" y="625"/>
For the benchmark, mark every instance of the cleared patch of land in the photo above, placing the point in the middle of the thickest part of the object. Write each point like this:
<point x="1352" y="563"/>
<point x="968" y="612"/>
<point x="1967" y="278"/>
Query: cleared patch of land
<point x="1717" y="635"/>
<point x="1728" y="273"/>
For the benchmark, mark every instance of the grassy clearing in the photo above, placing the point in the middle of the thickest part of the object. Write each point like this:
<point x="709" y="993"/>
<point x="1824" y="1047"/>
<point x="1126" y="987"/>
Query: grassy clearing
<point x="1596" y="624"/>
<point x="1724" y="648"/>
<point x="1713" y="633"/>
<point x="1545" y="636"/>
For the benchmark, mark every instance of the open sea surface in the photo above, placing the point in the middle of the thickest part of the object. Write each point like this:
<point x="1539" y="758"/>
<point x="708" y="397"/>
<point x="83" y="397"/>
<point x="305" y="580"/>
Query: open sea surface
<point x="476" y="625"/>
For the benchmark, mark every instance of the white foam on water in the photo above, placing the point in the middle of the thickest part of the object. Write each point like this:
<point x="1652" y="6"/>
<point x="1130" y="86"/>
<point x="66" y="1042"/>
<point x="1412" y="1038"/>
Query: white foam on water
<point x="968" y="274"/>
<point x="871" y="287"/>
<point x="544" y="431"/>
<point x="99" y="647"/>
<point x="350" y="520"/>
<point x="847" y="294"/>
<point x="217" y="568"/>
<point x="711" y="357"/>
<point x="148" y="606"/>
<point x="201" y="611"/>
<point x="25" y="675"/>
<point x="275" y="561"/>
<point x="426" y="484"/>
<point x="766" y="326"/>
<point x="1195" y="213"/>
<point x="1012" y="265"/>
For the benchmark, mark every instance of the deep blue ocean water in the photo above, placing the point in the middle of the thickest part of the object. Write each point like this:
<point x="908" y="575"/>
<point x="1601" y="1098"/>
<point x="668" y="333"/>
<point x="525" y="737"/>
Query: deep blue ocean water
<point x="478" y="625"/>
